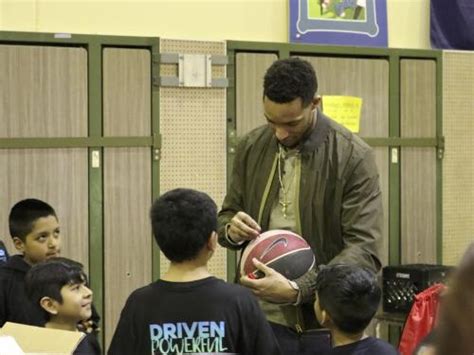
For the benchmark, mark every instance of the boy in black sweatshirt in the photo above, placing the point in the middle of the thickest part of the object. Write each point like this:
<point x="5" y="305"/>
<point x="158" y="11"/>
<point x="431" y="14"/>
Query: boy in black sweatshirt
<point x="35" y="230"/>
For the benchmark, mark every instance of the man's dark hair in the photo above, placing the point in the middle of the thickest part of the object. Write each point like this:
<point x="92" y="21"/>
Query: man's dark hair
<point x="288" y="79"/>
<point x="182" y="221"/>
<point x="24" y="214"/>
<point x="46" y="279"/>
<point x="349" y="294"/>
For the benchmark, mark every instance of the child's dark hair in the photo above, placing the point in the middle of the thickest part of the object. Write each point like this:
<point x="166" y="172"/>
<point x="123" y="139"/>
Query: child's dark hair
<point x="46" y="279"/>
<point x="350" y="295"/>
<point x="25" y="213"/>
<point x="182" y="221"/>
<point x="289" y="79"/>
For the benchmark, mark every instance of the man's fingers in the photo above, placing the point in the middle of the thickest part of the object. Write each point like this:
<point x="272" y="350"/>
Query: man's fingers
<point x="250" y="283"/>
<point x="249" y="221"/>
<point x="243" y="226"/>
<point x="257" y="283"/>
<point x="245" y="229"/>
<point x="262" y="267"/>
<point x="257" y="286"/>
<point x="235" y="231"/>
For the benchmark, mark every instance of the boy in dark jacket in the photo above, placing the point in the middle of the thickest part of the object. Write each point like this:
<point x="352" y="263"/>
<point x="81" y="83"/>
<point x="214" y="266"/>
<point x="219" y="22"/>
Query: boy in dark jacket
<point x="34" y="228"/>
<point x="347" y="297"/>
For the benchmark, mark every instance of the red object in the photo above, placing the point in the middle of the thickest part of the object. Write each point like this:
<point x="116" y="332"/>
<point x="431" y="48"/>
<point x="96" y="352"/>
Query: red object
<point x="251" y="275"/>
<point x="421" y="319"/>
<point x="282" y="250"/>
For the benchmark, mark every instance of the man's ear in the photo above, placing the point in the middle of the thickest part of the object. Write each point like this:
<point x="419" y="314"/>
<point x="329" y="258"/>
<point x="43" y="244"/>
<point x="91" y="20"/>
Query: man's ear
<point x="19" y="244"/>
<point x="212" y="242"/>
<point x="316" y="101"/>
<point x="49" y="305"/>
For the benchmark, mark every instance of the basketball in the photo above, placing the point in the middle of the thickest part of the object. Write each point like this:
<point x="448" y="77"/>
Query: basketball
<point x="282" y="250"/>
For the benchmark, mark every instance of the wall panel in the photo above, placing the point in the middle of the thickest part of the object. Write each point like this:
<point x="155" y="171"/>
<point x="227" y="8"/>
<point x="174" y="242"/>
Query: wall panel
<point x="458" y="164"/>
<point x="193" y="130"/>
<point x="418" y="165"/>
<point x="364" y="78"/>
<point x="43" y="91"/>
<point x="127" y="179"/>
<point x="56" y="176"/>
<point x="127" y="98"/>
<point x="250" y="70"/>
<point x="127" y="230"/>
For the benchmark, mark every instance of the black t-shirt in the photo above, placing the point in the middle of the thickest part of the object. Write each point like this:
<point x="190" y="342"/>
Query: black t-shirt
<point x="88" y="346"/>
<point x="203" y="316"/>
<point x="367" y="346"/>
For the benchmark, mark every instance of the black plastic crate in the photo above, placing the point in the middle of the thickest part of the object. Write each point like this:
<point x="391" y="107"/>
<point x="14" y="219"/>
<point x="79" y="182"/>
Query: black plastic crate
<point x="402" y="282"/>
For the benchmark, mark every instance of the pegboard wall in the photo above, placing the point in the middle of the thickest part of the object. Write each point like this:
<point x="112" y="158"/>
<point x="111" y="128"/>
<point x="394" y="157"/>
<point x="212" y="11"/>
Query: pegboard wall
<point x="193" y="131"/>
<point x="458" y="164"/>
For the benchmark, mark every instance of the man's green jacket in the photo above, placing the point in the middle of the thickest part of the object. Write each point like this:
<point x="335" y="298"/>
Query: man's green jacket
<point x="339" y="208"/>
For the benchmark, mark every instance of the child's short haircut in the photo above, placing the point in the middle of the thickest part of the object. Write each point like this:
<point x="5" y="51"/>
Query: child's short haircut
<point x="47" y="278"/>
<point x="182" y="221"/>
<point x="349" y="294"/>
<point x="25" y="213"/>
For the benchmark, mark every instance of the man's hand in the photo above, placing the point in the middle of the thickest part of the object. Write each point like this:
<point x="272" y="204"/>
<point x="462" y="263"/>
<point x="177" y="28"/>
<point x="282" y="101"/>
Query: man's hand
<point x="274" y="287"/>
<point x="243" y="227"/>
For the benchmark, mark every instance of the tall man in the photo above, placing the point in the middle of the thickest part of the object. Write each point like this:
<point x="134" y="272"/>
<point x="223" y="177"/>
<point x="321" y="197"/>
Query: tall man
<point x="306" y="173"/>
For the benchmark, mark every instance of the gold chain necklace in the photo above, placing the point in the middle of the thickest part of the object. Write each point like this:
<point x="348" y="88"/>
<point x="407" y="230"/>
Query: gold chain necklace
<point x="284" y="203"/>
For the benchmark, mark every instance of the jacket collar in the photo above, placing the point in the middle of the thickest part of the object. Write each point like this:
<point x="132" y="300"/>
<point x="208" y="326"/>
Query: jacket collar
<point x="17" y="263"/>
<point x="318" y="135"/>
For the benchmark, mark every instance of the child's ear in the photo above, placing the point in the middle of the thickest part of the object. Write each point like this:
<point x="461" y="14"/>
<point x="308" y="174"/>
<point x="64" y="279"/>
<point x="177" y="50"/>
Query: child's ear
<point x="212" y="242"/>
<point x="49" y="305"/>
<point x="19" y="244"/>
<point x="325" y="318"/>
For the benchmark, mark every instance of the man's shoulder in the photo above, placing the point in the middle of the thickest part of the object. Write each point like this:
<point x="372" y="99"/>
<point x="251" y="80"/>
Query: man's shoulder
<point x="347" y="137"/>
<point x="352" y="151"/>
<point x="260" y="135"/>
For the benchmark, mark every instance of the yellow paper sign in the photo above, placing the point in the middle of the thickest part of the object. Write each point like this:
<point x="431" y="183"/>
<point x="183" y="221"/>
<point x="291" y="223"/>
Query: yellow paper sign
<point x="344" y="110"/>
